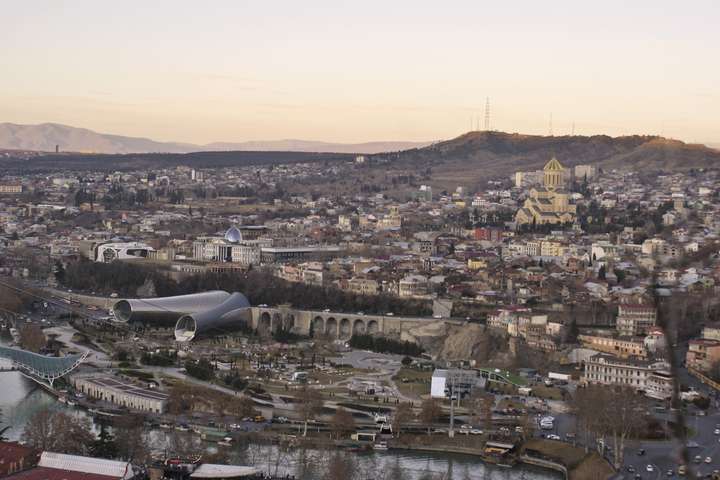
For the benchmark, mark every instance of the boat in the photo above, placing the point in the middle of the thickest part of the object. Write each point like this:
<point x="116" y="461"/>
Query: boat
<point x="380" y="446"/>
<point x="72" y="403"/>
<point x="62" y="399"/>
<point x="165" y="426"/>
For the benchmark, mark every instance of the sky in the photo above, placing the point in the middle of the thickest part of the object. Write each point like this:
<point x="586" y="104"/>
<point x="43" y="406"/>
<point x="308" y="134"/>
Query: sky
<point x="354" y="71"/>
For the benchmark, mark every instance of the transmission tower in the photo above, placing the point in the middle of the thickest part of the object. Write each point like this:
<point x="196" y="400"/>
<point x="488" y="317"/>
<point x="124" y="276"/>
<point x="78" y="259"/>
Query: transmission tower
<point x="487" y="114"/>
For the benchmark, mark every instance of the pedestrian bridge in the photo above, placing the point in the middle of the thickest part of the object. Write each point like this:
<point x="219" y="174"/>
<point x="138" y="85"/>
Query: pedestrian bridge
<point x="39" y="367"/>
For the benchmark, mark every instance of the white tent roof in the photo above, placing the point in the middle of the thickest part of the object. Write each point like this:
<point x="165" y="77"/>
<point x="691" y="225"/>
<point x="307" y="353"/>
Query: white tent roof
<point x="209" y="470"/>
<point x="75" y="463"/>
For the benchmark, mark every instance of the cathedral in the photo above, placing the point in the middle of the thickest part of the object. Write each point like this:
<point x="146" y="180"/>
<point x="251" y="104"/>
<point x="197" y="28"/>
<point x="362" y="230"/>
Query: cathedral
<point x="549" y="203"/>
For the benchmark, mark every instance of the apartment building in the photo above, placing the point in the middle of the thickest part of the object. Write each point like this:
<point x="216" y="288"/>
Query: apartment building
<point x="650" y="378"/>
<point x="635" y="319"/>
<point x="702" y="354"/>
<point x="619" y="347"/>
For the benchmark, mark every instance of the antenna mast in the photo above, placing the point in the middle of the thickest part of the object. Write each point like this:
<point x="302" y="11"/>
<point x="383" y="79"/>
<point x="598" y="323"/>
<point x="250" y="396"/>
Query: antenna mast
<point x="487" y="113"/>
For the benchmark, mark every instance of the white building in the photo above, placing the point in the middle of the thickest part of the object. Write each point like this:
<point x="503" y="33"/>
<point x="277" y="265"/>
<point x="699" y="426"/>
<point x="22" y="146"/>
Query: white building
<point x="650" y="378"/>
<point x="121" y="393"/>
<point x="107" y="252"/>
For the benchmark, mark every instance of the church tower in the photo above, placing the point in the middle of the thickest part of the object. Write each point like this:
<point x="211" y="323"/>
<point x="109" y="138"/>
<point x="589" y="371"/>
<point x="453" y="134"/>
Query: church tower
<point x="553" y="175"/>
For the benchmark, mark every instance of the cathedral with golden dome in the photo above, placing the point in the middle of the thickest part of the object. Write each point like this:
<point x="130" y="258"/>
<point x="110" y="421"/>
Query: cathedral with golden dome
<point x="549" y="203"/>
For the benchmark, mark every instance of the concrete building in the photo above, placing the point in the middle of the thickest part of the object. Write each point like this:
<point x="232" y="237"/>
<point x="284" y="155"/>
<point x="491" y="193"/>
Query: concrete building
<point x="108" y="252"/>
<point x="635" y="319"/>
<point x="702" y="354"/>
<point x="11" y="188"/>
<point x="456" y="382"/>
<point x="619" y="347"/>
<point x="604" y="369"/>
<point x="121" y="393"/>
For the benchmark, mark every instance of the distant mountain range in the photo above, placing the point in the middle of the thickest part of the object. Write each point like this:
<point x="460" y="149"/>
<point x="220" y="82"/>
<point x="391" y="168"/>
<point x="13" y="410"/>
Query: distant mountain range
<point x="46" y="136"/>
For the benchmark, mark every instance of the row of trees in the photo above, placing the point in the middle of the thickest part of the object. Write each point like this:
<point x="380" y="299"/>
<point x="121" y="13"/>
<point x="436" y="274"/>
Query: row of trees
<point x="385" y="345"/>
<point x="60" y="432"/>
<point x="259" y="285"/>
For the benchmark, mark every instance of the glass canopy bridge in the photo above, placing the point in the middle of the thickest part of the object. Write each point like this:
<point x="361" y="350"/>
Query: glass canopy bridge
<point x="39" y="367"/>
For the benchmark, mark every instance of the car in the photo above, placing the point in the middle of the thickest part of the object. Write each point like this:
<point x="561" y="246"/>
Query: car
<point x="281" y="420"/>
<point x="552" y="436"/>
<point x="630" y="469"/>
<point x="650" y="468"/>
<point x="476" y="431"/>
<point x="708" y="460"/>
<point x="641" y="452"/>
<point x="717" y="431"/>
<point x="670" y="472"/>
<point x="697" y="459"/>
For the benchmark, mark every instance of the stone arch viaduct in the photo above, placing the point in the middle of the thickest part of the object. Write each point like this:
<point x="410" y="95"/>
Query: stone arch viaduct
<point x="333" y="324"/>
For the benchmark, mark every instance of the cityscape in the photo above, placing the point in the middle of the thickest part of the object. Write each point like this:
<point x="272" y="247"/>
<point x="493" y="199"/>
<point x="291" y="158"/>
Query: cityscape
<point x="535" y="297"/>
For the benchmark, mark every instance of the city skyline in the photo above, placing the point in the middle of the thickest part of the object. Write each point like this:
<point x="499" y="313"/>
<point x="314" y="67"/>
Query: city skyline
<point x="348" y="73"/>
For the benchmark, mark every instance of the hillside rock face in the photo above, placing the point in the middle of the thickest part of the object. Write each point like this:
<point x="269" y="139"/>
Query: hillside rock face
<point x="503" y="153"/>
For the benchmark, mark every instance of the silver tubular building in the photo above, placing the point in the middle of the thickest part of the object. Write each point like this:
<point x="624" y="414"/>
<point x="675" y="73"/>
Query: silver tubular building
<point x="235" y="310"/>
<point x="167" y="309"/>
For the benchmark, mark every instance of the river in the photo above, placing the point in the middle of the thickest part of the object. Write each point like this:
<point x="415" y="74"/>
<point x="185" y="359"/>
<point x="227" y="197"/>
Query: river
<point x="20" y="398"/>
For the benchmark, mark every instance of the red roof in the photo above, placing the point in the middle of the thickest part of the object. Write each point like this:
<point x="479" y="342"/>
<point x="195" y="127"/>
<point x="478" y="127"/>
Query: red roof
<point x="43" y="473"/>
<point x="14" y="451"/>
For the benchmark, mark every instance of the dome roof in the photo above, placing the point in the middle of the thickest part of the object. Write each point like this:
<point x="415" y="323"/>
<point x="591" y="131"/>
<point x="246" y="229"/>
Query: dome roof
<point x="233" y="235"/>
<point x="553" y="166"/>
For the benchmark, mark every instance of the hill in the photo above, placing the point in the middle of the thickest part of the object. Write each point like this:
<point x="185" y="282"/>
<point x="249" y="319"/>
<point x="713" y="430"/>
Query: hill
<point x="46" y="136"/>
<point x="481" y="155"/>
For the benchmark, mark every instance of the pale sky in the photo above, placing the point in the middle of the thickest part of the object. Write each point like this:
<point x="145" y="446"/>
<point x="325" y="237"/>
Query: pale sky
<point x="354" y="71"/>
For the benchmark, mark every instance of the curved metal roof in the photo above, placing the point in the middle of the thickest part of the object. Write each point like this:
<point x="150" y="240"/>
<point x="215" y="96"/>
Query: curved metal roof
<point x="167" y="308"/>
<point x="225" y="316"/>
<point x="48" y="368"/>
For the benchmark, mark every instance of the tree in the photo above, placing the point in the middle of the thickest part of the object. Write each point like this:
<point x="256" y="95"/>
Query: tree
<point x="3" y="429"/>
<point x="59" y="432"/>
<point x="132" y="445"/>
<point x="430" y="412"/>
<point x="104" y="446"/>
<point x="403" y="415"/>
<point x="32" y="338"/>
<point x="242" y="407"/>
<point x="340" y="467"/>
<point x="310" y="404"/>
<point x="342" y="423"/>
<point x="601" y="272"/>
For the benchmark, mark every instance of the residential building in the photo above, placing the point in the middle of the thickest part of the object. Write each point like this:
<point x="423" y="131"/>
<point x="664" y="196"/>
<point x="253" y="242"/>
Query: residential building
<point x="635" y="319"/>
<point x="702" y="354"/>
<point x="619" y="347"/>
<point x="604" y="369"/>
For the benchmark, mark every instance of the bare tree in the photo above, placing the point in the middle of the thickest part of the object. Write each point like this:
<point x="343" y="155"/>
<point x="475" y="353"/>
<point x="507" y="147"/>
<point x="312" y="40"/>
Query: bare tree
<point x="430" y="412"/>
<point x="58" y="432"/>
<point x="340" y="467"/>
<point x="403" y="415"/>
<point x="130" y="439"/>
<point x="309" y="405"/>
<point x="342" y="423"/>
<point x="32" y="338"/>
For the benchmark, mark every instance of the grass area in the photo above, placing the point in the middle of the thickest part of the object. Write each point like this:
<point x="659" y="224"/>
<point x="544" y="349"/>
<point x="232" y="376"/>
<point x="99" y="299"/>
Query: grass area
<point x="559" y="452"/>
<point x="580" y="465"/>
<point x="413" y="383"/>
